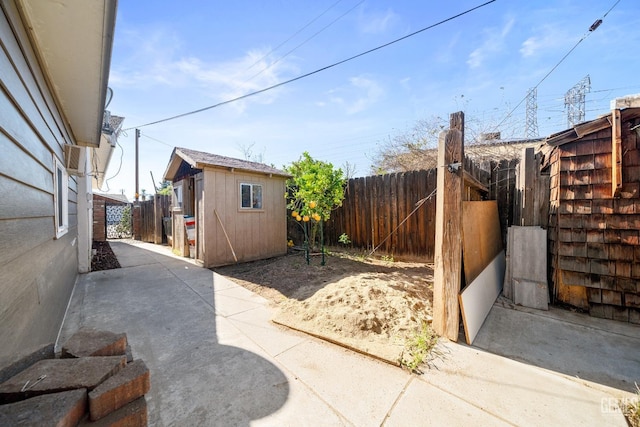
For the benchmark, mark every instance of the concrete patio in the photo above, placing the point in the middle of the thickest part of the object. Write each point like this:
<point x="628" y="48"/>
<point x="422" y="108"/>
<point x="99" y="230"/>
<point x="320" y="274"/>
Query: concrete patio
<point x="216" y="359"/>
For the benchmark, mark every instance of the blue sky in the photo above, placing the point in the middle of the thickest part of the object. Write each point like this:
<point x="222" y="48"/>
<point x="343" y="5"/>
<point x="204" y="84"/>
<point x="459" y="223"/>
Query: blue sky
<point x="173" y="57"/>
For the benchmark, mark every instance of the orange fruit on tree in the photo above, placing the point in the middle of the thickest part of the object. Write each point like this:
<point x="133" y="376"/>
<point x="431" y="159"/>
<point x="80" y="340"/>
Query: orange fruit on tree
<point x="305" y="218"/>
<point x="312" y="205"/>
<point x="294" y="214"/>
<point x="298" y="218"/>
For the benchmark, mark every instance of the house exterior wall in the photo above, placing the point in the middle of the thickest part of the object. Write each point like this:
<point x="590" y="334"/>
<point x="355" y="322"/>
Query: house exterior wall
<point x="37" y="270"/>
<point x="594" y="237"/>
<point x="254" y="234"/>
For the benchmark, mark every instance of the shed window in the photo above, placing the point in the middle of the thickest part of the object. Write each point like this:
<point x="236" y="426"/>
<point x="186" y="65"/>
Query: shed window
<point x="61" y="198"/>
<point x="251" y="196"/>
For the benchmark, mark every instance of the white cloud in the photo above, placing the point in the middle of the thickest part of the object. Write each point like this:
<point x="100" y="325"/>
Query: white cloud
<point x="359" y="95"/>
<point x="550" y="38"/>
<point x="156" y="60"/>
<point x="377" y="22"/>
<point x="494" y="42"/>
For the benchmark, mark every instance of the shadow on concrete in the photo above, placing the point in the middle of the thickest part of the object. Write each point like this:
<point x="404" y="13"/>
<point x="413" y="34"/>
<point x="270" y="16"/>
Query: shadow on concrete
<point x="167" y="308"/>
<point x="577" y="345"/>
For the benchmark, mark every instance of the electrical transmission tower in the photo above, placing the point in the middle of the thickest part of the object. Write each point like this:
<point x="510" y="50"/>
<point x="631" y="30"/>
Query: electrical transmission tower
<point x="531" y="126"/>
<point x="574" y="101"/>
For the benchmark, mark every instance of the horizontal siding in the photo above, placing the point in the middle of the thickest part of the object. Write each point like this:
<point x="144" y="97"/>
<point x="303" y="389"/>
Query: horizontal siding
<point x="37" y="271"/>
<point x="20" y="166"/>
<point x="26" y="65"/>
<point x="32" y="202"/>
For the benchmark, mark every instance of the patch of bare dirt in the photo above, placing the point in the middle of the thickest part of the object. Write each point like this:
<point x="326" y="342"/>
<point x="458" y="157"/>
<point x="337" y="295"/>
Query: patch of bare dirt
<point x="372" y="305"/>
<point x="103" y="257"/>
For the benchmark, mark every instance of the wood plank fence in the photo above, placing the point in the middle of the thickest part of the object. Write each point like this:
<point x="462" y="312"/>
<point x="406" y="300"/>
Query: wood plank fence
<point x="151" y="214"/>
<point x="375" y="206"/>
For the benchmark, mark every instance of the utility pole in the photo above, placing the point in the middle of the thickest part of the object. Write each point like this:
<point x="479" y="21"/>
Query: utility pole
<point x="137" y="195"/>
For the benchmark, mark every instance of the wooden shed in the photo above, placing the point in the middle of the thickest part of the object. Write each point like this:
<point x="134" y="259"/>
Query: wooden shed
<point x="594" y="227"/>
<point x="238" y="207"/>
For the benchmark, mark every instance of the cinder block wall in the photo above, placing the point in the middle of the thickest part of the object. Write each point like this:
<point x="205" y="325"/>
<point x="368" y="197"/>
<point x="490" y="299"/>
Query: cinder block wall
<point x="594" y="237"/>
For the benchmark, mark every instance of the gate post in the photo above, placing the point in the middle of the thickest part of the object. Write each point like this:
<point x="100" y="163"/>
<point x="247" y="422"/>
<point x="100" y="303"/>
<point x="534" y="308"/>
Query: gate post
<point x="448" y="244"/>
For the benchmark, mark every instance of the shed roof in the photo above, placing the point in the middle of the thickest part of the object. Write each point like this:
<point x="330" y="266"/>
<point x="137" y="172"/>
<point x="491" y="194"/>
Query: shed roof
<point x="121" y="198"/>
<point x="585" y="128"/>
<point x="200" y="159"/>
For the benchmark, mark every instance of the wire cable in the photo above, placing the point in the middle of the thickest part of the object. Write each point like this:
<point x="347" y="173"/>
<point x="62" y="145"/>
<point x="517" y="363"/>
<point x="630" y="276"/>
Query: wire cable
<point x="219" y="104"/>
<point x="592" y="28"/>
<point x="292" y="36"/>
<point x="305" y="42"/>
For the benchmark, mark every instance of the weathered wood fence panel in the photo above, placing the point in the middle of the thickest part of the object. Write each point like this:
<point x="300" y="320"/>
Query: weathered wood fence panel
<point x="375" y="206"/>
<point x="151" y="214"/>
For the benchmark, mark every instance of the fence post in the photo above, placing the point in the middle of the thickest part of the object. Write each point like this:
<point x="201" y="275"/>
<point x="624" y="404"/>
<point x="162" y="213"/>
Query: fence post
<point x="448" y="247"/>
<point x="157" y="220"/>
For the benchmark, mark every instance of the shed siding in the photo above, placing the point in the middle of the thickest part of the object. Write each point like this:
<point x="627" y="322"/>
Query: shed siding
<point x="253" y="234"/>
<point x="595" y="238"/>
<point x="37" y="271"/>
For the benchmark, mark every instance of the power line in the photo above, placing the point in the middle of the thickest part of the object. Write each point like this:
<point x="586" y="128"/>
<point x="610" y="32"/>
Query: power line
<point x="304" y="27"/>
<point x="592" y="28"/>
<point x="200" y="110"/>
<point x="305" y="42"/>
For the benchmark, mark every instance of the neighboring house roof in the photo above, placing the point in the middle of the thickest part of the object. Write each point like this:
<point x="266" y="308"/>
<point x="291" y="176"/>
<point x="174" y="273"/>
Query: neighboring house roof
<point x="200" y="160"/>
<point x="120" y="198"/>
<point x="73" y="40"/>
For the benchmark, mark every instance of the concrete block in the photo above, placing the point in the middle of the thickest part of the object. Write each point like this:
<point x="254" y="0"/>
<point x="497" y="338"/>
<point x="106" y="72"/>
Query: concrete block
<point x="91" y="342"/>
<point x="132" y="415"/>
<point x="124" y="387"/>
<point x="58" y="409"/>
<point x="14" y="367"/>
<point x="531" y="294"/>
<point x="55" y="375"/>
<point x="129" y="354"/>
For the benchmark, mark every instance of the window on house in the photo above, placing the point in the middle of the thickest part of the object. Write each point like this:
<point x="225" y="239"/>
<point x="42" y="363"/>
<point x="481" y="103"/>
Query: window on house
<point x="250" y="196"/>
<point x="61" y="198"/>
<point x="178" y="194"/>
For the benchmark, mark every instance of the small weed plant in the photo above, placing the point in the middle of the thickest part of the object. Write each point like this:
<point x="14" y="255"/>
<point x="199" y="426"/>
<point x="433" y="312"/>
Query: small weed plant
<point x="344" y="239"/>
<point x="387" y="258"/>
<point x="631" y="409"/>
<point x="418" y="349"/>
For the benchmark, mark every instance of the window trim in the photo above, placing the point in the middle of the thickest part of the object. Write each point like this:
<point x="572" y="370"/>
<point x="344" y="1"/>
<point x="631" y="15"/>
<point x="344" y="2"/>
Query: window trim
<point x="251" y="192"/>
<point x="60" y="198"/>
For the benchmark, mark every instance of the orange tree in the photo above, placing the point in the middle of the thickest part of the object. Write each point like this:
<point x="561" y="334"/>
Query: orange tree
<point x="313" y="191"/>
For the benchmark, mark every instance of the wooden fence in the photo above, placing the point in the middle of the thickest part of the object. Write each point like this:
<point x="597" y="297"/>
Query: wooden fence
<point x="375" y="207"/>
<point x="151" y="214"/>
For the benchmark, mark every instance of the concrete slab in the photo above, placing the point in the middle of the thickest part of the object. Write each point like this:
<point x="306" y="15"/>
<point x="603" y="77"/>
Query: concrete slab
<point x="443" y="409"/>
<point x="54" y="375"/>
<point x="215" y="359"/>
<point x="597" y="350"/>
<point x="531" y="294"/>
<point x="273" y="339"/>
<point x="64" y="409"/>
<point x="334" y="372"/>
<point x="9" y="368"/>
<point x="518" y="393"/>
<point x="92" y="342"/>
<point x="528" y="254"/>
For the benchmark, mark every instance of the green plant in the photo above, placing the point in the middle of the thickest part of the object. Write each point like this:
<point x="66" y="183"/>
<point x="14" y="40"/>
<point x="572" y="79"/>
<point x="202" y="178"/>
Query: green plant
<point x="631" y="409"/>
<point x="387" y="258"/>
<point x="344" y="239"/>
<point x="124" y="226"/>
<point x="418" y="348"/>
<point x="313" y="191"/>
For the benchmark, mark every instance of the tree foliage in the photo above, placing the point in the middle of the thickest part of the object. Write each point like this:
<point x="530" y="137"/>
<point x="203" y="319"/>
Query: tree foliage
<point x="165" y="188"/>
<point x="314" y="190"/>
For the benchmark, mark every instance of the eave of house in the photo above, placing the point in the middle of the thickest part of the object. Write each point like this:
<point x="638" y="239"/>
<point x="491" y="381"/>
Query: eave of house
<point x="73" y="40"/>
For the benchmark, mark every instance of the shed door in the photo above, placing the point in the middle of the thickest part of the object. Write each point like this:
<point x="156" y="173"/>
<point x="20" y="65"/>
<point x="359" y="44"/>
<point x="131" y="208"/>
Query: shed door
<point x="199" y="196"/>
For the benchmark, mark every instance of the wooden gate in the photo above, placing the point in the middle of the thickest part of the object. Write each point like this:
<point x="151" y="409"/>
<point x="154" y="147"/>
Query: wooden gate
<point x="151" y="214"/>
